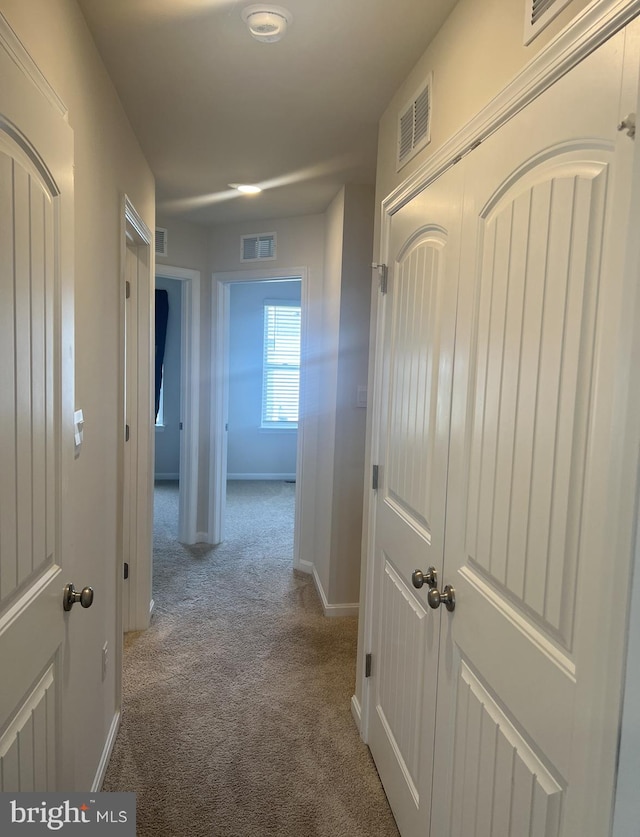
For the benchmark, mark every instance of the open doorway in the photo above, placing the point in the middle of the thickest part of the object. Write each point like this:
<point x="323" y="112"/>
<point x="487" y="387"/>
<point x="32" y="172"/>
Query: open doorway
<point x="257" y="427"/>
<point x="176" y="426"/>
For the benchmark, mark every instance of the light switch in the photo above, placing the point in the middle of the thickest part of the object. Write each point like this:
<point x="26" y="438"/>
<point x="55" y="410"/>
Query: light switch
<point x="78" y="428"/>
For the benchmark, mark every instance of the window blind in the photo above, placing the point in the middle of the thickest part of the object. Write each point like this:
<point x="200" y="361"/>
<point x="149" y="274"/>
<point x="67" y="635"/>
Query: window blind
<point x="281" y="365"/>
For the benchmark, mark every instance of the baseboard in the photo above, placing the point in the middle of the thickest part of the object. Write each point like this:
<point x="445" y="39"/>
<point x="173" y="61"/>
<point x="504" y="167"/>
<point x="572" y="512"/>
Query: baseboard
<point x="356" y="711"/>
<point x="106" y="753"/>
<point x="305" y="567"/>
<point x="333" y="609"/>
<point x="166" y="477"/>
<point x="291" y="477"/>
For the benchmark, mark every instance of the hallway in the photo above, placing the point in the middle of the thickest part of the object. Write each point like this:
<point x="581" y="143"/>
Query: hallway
<point x="236" y="716"/>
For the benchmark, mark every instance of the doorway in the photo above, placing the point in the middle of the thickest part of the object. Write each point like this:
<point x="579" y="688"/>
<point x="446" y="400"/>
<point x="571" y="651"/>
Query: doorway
<point x="253" y="439"/>
<point x="179" y="453"/>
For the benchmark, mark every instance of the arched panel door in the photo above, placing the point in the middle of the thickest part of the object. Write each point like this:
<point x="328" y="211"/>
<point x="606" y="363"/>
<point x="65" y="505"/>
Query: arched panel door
<point x="419" y="329"/>
<point x="36" y="440"/>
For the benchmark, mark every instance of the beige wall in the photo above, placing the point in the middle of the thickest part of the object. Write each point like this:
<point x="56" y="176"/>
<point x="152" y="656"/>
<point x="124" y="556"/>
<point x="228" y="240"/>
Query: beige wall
<point x="108" y="163"/>
<point x="349" y="419"/>
<point x="476" y="53"/>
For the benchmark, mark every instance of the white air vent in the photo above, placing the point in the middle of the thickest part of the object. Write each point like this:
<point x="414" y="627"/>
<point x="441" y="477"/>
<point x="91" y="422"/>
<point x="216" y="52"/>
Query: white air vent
<point x="539" y="13"/>
<point x="161" y="241"/>
<point x="414" y="124"/>
<point x="257" y="247"/>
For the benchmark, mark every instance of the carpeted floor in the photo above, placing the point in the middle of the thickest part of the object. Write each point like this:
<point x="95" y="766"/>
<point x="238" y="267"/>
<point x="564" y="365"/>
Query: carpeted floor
<point x="236" y="719"/>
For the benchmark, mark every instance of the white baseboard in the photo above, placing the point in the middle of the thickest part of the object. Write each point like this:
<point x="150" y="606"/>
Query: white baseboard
<point x="333" y="609"/>
<point x="166" y="477"/>
<point x="261" y="477"/>
<point x="305" y="567"/>
<point x="356" y="711"/>
<point x="106" y="753"/>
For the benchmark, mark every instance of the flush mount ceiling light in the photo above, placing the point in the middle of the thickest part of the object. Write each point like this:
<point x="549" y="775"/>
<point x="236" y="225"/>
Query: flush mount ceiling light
<point x="246" y="188"/>
<point x="266" y="23"/>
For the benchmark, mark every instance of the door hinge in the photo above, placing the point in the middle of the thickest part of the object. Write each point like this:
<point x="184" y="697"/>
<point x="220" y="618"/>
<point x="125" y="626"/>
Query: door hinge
<point x="127" y="290"/>
<point x="383" y="272"/>
<point x="180" y="425"/>
<point x="126" y="433"/>
<point x="126" y="571"/>
<point x="374" y="477"/>
<point x="367" y="665"/>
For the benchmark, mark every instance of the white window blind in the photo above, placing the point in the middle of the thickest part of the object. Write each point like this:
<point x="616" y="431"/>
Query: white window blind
<point x="281" y="365"/>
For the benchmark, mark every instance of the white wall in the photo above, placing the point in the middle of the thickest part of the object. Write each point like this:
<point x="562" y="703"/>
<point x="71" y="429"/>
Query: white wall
<point x="167" y="455"/>
<point x="108" y="163"/>
<point x="341" y="423"/>
<point x="252" y="451"/>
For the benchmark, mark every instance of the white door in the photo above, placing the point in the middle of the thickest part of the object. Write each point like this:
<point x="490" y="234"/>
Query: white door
<point x="530" y="662"/>
<point x="419" y="330"/>
<point x="500" y="718"/>
<point x="36" y="438"/>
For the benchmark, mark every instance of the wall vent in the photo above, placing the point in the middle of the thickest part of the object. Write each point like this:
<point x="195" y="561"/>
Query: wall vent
<point x="257" y="247"/>
<point x="161" y="241"/>
<point x="414" y="124"/>
<point x="538" y="14"/>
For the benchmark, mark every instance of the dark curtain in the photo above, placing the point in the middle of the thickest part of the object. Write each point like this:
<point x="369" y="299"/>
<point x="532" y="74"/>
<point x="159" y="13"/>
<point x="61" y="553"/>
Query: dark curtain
<point x="162" y="317"/>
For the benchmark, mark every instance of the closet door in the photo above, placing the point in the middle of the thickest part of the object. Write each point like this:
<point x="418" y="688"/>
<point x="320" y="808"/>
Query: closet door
<point x="419" y="327"/>
<point x="530" y="662"/>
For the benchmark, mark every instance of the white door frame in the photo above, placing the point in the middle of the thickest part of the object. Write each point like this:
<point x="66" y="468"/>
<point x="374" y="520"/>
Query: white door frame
<point x="591" y="28"/>
<point x="135" y="523"/>
<point x="220" y="395"/>
<point x="189" y="397"/>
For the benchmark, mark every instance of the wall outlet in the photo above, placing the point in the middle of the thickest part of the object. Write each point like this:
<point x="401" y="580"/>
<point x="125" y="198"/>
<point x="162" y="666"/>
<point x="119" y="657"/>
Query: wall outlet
<point x="105" y="659"/>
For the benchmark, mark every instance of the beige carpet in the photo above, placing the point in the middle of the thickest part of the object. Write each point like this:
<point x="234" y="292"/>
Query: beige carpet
<point x="236" y="717"/>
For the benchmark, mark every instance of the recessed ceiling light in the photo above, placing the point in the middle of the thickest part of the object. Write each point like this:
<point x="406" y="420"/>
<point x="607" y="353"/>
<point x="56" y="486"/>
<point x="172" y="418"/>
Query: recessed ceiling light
<point x="246" y="188"/>
<point x="266" y="23"/>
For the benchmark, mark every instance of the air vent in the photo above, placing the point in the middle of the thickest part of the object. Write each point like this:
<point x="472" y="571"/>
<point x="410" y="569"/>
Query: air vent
<point x="258" y="247"/>
<point x="161" y="241"/>
<point x="539" y="13"/>
<point x="414" y="124"/>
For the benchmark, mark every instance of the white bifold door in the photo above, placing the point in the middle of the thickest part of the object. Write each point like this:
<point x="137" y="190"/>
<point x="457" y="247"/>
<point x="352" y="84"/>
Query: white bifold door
<point x="504" y="395"/>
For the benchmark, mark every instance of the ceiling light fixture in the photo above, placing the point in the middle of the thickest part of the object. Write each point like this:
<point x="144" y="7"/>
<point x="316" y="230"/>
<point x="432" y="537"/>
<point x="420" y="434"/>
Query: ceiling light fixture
<point x="246" y="188"/>
<point x="267" y="23"/>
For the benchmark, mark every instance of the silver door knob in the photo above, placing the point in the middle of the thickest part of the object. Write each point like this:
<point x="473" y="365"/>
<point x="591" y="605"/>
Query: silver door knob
<point x="448" y="598"/>
<point x="70" y="596"/>
<point x="419" y="578"/>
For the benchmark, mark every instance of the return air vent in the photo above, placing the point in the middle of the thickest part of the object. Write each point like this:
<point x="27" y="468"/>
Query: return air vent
<point x="414" y="124"/>
<point x="257" y="247"/>
<point x="161" y="241"/>
<point x="539" y="13"/>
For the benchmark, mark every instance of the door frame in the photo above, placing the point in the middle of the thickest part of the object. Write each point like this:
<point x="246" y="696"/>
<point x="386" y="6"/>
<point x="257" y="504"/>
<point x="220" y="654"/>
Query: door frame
<point x="189" y="397"/>
<point x="220" y="397"/>
<point x="591" y="28"/>
<point x="134" y="613"/>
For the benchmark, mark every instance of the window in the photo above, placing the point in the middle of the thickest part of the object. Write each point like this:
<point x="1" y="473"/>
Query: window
<point x="281" y="365"/>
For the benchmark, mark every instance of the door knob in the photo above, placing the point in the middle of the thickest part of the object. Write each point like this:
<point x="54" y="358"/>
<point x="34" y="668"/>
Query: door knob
<point x="70" y="596"/>
<point x="419" y="578"/>
<point x="448" y="598"/>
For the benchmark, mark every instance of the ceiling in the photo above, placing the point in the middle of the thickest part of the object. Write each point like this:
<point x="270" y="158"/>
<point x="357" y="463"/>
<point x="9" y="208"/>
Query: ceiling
<point x="211" y="106"/>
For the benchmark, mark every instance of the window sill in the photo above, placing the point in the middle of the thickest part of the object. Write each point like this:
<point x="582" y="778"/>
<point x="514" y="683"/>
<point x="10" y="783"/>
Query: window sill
<point x="286" y="430"/>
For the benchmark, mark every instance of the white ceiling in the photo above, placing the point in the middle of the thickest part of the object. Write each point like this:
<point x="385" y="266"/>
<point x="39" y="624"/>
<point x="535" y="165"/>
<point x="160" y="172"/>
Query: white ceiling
<point x="211" y="106"/>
